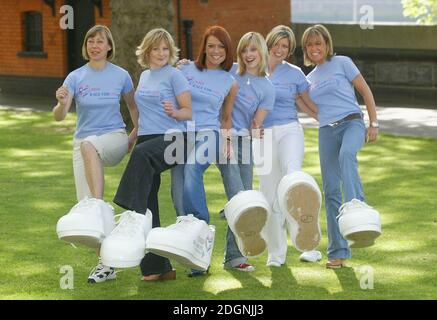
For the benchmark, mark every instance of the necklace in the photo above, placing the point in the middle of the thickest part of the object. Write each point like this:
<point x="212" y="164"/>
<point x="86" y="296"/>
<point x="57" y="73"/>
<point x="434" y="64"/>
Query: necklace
<point x="248" y="81"/>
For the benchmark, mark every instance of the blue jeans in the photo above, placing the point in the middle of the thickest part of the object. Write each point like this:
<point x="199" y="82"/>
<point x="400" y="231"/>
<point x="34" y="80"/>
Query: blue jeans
<point x="338" y="148"/>
<point x="177" y="188"/>
<point x="139" y="186"/>
<point x="237" y="177"/>
<point x="188" y="190"/>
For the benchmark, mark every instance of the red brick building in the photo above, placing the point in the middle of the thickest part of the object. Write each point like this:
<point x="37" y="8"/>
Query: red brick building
<point x="36" y="53"/>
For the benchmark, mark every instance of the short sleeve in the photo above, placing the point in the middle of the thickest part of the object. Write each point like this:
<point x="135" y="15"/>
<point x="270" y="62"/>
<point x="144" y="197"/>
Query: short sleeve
<point x="268" y="100"/>
<point x="303" y="84"/>
<point x="70" y="83"/>
<point x="350" y="69"/>
<point x="184" y="68"/>
<point x="179" y="82"/>
<point x="230" y="82"/>
<point x="234" y="68"/>
<point x="128" y="83"/>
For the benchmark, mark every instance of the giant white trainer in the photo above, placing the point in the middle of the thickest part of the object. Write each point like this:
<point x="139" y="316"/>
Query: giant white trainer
<point x="87" y="223"/>
<point x="300" y="199"/>
<point x="247" y="213"/>
<point x="359" y="223"/>
<point x="125" y="246"/>
<point x="189" y="241"/>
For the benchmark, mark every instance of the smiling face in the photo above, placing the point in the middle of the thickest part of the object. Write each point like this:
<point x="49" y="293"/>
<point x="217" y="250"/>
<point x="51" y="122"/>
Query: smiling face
<point x="215" y="53"/>
<point x="98" y="47"/>
<point x="159" y="55"/>
<point x="251" y="58"/>
<point x="279" y="51"/>
<point x="316" y="49"/>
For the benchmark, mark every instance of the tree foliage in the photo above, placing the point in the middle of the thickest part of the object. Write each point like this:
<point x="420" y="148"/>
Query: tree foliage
<point x="425" y="11"/>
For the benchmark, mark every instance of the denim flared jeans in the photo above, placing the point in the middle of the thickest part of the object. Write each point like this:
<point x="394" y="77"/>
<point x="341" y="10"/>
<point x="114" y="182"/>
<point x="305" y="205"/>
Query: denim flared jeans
<point x="338" y="149"/>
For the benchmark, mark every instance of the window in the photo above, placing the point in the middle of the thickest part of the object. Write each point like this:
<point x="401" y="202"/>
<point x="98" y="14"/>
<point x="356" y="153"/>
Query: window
<point x="32" y="35"/>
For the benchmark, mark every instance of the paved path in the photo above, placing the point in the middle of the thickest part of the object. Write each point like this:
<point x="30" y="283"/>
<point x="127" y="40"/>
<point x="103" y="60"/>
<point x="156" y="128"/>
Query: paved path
<point x="393" y="120"/>
<point x="398" y="121"/>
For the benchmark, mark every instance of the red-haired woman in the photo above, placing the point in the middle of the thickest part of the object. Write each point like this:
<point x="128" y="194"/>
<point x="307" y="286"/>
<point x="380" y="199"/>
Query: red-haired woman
<point x="213" y="91"/>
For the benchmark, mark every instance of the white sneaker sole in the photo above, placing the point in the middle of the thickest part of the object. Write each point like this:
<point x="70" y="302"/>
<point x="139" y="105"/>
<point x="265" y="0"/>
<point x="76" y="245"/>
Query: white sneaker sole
<point x="303" y="205"/>
<point x="183" y="257"/>
<point x="110" y="277"/>
<point x="312" y="258"/>
<point x="88" y="238"/>
<point x="273" y="264"/>
<point x="362" y="239"/>
<point x="248" y="226"/>
<point x="360" y="230"/>
<point x="114" y="263"/>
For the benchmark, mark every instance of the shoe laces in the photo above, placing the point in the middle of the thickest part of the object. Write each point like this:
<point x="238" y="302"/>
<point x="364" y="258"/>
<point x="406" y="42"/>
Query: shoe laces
<point x="353" y="204"/>
<point x="85" y="202"/>
<point x="128" y="223"/>
<point x="99" y="269"/>
<point x="184" y="221"/>
<point x="187" y="218"/>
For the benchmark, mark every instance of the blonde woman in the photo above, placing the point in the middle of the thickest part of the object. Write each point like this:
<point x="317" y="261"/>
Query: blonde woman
<point x="100" y="138"/>
<point x="164" y="102"/>
<point x="287" y="145"/>
<point x="342" y="132"/>
<point x="255" y="98"/>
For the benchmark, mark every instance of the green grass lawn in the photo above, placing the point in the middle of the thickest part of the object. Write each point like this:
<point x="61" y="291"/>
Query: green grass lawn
<point x="36" y="188"/>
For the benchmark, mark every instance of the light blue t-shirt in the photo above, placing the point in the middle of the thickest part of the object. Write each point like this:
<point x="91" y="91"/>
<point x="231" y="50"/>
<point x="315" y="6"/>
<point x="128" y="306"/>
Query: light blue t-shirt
<point x="154" y="87"/>
<point x="97" y="94"/>
<point x="209" y="88"/>
<point x="288" y="81"/>
<point x="253" y="92"/>
<point x="332" y="90"/>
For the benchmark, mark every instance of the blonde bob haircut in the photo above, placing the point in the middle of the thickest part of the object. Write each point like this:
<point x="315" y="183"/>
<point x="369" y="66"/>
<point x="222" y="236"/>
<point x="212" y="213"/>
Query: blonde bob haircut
<point x="103" y="30"/>
<point x="151" y="40"/>
<point x="256" y="39"/>
<point x="278" y="33"/>
<point x="321" y="32"/>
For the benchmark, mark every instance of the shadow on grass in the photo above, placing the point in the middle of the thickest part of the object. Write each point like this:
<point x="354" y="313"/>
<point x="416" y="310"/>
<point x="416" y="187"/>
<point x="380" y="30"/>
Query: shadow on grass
<point x="37" y="188"/>
<point x="283" y="286"/>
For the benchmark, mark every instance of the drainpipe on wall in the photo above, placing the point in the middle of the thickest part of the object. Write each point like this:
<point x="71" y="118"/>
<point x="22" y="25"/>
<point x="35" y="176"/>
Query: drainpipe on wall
<point x="188" y="25"/>
<point x="178" y="18"/>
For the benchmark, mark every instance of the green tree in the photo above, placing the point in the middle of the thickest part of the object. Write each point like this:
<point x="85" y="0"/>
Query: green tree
<point x="425" y="11"/>
<point x="131" y="20"/>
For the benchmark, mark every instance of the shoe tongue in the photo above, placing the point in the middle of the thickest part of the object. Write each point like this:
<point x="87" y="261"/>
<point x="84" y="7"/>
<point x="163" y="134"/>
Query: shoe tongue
<point x="186" y="219"/>
<point x="127" y="220"/>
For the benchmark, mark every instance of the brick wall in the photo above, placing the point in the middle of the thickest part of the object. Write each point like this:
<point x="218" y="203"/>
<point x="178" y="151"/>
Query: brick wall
<point x="54" y="39"/>
<point x="236" y="16"/>
<point x="11" y="27"/>
<point x="107" y="16"/>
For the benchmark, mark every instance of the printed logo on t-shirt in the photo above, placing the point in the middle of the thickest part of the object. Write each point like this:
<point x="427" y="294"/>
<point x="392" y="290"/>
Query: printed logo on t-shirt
<point x="200" y="85"/>
<point x="86" y="90"/>
<point x="324" y="85"/>
<point x="83" y="90"/>
<point x="148" y="93"/>
<point x="248" y="99"/>
<point x="285" y="90"/>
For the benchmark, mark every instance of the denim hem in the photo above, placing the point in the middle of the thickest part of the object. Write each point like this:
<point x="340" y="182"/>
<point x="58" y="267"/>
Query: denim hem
<point x="234" y="262"/>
